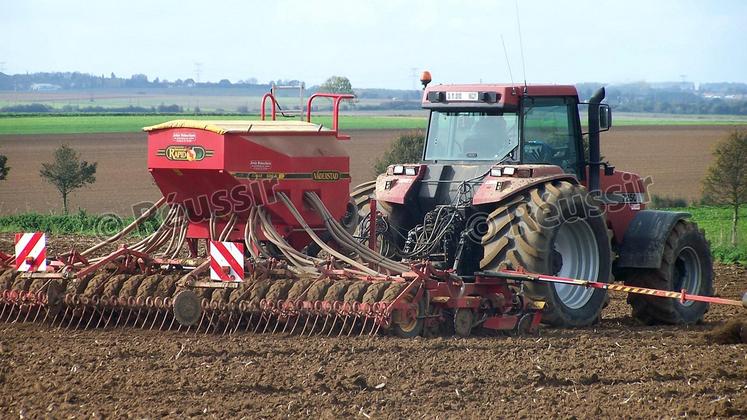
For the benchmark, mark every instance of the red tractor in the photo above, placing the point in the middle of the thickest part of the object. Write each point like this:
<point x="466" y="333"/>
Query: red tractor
<point x="509" y="179"/>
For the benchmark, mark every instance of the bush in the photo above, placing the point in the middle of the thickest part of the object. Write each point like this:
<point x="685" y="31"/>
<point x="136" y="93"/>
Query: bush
<point x="169" y="109"/>
<point x="663" y="202"/>
<point x="24" y="108"/>
<point x="408" y="148"/>
<point x="729" y="254"/>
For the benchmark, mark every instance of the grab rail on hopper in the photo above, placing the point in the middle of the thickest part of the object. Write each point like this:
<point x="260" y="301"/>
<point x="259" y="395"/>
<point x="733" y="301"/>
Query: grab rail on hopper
<point x="337" y="98"/>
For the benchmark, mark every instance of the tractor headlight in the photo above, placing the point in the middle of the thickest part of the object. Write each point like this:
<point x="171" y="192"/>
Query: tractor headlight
<point x="398" y="170"/>
<point x="509" y="171"/>
<point x="495" y="172"/>
<point x="411" y="171"/>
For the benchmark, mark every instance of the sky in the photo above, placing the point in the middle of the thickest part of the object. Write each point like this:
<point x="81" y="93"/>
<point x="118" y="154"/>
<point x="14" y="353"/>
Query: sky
<point x="381" y="43"/>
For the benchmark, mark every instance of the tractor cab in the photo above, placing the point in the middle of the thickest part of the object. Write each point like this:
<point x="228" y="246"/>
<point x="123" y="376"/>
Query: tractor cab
<point x="487" y="124"/>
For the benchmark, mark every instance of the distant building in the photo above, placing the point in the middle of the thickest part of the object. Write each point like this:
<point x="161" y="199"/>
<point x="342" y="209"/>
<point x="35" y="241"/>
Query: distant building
<point x="683" y="86"/>
<point x="45" y="87"/>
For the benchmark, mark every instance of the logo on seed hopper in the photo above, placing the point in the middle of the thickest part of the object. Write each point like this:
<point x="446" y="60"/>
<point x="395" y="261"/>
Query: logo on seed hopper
<point x="185" y="153"/>
<point x="325" y="175"/>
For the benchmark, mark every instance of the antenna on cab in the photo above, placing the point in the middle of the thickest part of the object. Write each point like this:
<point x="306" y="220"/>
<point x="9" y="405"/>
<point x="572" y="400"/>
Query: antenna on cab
<point x="508" y="64"/>
<point x="521" y="47"/>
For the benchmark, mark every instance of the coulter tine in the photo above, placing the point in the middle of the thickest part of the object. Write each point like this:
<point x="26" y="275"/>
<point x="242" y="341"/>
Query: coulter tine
<point x="325" y="325"/>
<point x="62" y="321"/>
<point x="137" y="316"/>
<point x="127" y="319"/>
<point x="171" y="324"/>
<point x="163" y="322"/>
<point x="80" y="319"/>
<point x="154" y="320"/>
<point x="18" y="315"/>
<point x="228" y="323"/>
<point x="363" y="327"/>
<point x="28" y="313"/>
<point x="147" y="314"/>
<point x="342" y="328"/>
<point x="259" y="322"/>
<point x="267" y="324"/>
<point x="238" y="323"/>
<point x="210" y="322"/>
<point x="38" y="311"/>
<point x="249" y="322"/>
<point x="90" y="319"/>
<point x="295" y="324"/>
<point x="375" y="331"/>
<point x="101" y="318"/>
<point x="305" y="324"/>
<point x="108" y="320"/>
<point x="199" y="325"/>
<point x="46" y="315"/>
<point x="374" y="327"/>
<point x="352" y="325"/>
<point x="2" y="312"/>
<point x="72" y="320"/>
<point x="277" y="324"/>
<point x="51" y="324"/>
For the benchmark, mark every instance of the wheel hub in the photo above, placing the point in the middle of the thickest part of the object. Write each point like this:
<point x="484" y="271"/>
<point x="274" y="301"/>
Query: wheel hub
<point x="575" y="255"/>
<point x="687" y="273"/>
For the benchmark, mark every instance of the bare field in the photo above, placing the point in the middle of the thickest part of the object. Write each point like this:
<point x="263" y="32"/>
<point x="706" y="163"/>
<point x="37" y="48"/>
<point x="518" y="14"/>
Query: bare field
<point x="615" y="369"/>
<point x="676" y="157"/>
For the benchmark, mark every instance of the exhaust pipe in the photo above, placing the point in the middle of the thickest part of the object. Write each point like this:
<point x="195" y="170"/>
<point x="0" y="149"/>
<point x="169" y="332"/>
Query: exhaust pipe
<point x="594" y="152"/>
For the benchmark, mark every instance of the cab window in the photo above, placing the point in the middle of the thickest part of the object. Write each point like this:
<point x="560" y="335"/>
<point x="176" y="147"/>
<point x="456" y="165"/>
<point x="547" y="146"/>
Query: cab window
<point x="550" y="135"/>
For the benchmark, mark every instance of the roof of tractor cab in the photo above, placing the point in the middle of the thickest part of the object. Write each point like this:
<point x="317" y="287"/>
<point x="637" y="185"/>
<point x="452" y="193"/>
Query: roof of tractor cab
<point x="243" y="126"/>
<point x="493" y="95"/>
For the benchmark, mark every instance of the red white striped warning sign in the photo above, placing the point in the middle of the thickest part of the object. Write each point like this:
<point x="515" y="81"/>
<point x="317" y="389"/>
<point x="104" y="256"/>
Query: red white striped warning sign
<point x="31" y="252"/>
<point x="226" y="261"/>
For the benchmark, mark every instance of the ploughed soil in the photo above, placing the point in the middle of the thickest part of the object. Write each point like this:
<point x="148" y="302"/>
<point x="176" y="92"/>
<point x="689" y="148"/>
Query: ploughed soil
<point x="676" y="157"/>
<point x="617" y="368"/>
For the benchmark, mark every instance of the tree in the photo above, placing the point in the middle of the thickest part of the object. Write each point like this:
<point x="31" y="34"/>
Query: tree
<point x="336" y="84"/>
<point x="4" y="168"/>
<point x="726" y="181"/>
<point x="68" y="172"/>
<point x="407" y="148"/>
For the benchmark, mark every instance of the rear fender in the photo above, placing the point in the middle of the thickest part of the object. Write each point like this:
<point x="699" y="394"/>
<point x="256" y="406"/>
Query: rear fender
<point x="644" y="240"/>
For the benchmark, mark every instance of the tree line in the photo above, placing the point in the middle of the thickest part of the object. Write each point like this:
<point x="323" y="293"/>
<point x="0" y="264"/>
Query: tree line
<point x="664" y="98"/>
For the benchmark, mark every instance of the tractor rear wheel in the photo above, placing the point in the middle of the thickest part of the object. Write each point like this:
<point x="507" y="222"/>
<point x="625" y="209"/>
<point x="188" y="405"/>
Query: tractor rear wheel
<point x="553" y="228"/>
<point x="686" y="264"/>
<point x="361" y="196"/>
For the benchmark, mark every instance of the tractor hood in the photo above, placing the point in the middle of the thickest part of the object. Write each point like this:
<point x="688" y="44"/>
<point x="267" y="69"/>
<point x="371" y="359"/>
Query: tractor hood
<point x="437" y="184"/>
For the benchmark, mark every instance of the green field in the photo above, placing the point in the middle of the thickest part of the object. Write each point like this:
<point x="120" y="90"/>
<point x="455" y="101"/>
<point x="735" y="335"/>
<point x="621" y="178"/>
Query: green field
<point x="134" y="123"/>
<point x="73" y="124"/>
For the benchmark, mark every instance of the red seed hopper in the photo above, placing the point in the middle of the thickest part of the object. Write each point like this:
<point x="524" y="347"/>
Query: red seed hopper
<point x="222" y="169"/>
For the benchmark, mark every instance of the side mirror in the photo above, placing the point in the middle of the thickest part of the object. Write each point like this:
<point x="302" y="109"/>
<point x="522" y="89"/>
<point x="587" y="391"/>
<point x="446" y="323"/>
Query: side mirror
<point x="605" y="117"/>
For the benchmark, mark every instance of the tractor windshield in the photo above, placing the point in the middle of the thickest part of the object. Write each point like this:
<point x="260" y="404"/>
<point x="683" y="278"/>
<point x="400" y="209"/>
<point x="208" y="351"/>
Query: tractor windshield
<point x="471" y="136"/>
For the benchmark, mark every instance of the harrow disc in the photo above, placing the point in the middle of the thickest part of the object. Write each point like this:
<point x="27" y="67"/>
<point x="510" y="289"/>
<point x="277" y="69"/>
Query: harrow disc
<point x="187" y="308"/>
